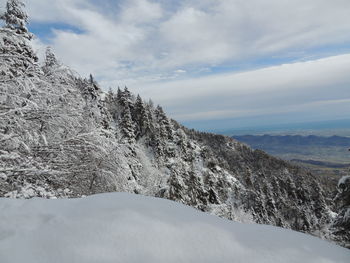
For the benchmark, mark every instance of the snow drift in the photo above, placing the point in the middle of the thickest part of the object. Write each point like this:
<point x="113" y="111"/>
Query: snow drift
<point x="125" y="228"/>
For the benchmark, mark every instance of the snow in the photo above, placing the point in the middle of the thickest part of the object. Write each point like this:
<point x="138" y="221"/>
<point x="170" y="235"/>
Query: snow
<point x="343" y="180"/>
<point x="332" y="214"/>
<point x="29" y="190"/>
<point x="347" y="216"/>
<point x="126" y="228"/>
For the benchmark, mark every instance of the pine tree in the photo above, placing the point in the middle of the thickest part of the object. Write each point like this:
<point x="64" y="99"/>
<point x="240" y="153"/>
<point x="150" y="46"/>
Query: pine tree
<point x="127" y="124"/>
<point x="119" y="94"/>
<point x="127" y="93"/>
<point x="141" y="117"/>
<point x="151" y="104"/>
<point x="50" y="58"/>
<point x="18" y="57"/>
<point x="124" y="98"/>
<point x="342" y="222"/>
<point x="110" y="96"/>
<point x="51" y="62"/>
<point x="16" y="18"/>
<point x="166" y="130"/>
<point x="111" y="104"/>
<point x="91" y="89"/>
<point x="91" y="79"/>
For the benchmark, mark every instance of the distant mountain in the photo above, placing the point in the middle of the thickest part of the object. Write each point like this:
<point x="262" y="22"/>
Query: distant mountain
<point x="332" y="149"/>
<point x="320" y="163"/>
<point x="255" y="141"/>
<point x="61" y="136"/>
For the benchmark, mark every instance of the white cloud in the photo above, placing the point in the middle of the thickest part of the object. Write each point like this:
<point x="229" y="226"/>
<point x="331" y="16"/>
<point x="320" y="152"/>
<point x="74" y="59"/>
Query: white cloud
<point x="141" y="12"/>
<point x="150" y="37"/>
<point x="150" y="44"/>
<point x="53" y="10"/>
<point x="180" y="71"/>
<point x="225" y="30"/>
<point x="298" y="87"/>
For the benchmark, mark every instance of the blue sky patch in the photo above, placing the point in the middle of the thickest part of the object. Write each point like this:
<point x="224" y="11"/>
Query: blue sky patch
<point x="45" y="31"/>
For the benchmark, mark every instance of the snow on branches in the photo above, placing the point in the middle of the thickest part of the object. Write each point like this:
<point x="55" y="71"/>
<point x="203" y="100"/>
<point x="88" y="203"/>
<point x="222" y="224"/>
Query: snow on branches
<point x="16" y="18"/>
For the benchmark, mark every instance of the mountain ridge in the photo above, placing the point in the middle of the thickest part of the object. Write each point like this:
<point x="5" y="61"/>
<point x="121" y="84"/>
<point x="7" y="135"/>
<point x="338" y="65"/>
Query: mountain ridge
<point x="297" y="139"/>
<point x="333" y="149"/>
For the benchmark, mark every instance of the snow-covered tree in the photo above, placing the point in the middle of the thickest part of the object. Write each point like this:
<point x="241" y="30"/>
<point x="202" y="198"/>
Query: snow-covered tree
<point x="127" y="93"/>
<point x="124" y="98"/>
<point x="16" y="18"/>
<point x="51" y="63"/>
<point x="343" y="196"/>
<point x="127" y="124"/>
<point x="165" y="127"/>
<point x="50" y="58"/>
<point x="110" y="98"/>
<point x="342" y="221"/>
<point x="119" y="94"/>
<point x="141" y="117"/>
<point x="17" y="56"/>
<point x="111" y="104"/>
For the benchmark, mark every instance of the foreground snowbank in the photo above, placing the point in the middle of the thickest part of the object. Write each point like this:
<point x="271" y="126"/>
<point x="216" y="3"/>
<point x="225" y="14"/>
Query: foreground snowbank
<point x="129" y="228"/>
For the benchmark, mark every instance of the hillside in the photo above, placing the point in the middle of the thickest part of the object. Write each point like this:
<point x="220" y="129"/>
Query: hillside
<point x="128" y="228"/>
<point x="61" y="136"/>
<point x="328" y="157"/>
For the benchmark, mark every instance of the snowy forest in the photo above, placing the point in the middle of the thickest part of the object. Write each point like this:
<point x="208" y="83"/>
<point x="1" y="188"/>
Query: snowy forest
<point x="64" y="136"/>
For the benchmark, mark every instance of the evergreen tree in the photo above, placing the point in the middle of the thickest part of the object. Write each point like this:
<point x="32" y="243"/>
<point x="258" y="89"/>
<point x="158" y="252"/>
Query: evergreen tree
<point x="119" y="94"/>
<point x="16" y="18"/>
<point x="51" y="61"/>
<point x="50" y="58"/>
<point x="342" y="222"/>
<point x="166" y="130"/>
<point x="127" y="124"/>
<point x="111" y="104"/>
<point x="159" y="113"/>
<point x="127" y="93"/>
<point x="110" y="96"/>
<point x="91" y="79"/>
<point x="19" y="56"/>
<point x="141" y="116"/>
<point x="151" y="104"/>
<point x="124" y="97"/>
<point x="91" y="89"/>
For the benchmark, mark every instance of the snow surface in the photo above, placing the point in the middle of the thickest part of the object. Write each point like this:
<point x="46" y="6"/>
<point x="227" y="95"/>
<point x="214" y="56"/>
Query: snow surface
<point x="343" y="180"/>
<point x="126" y="228"/>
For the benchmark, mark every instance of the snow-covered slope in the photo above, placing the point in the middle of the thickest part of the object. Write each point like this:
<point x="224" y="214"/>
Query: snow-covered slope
<point x="130" y="228"/>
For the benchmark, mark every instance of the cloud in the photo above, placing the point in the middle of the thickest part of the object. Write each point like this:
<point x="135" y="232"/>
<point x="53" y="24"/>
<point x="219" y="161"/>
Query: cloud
<point x="153" y="38"/>
<point x="320" y="85"/>
<point x="180" y="71"/>
<point x="221" y="31"/>
<point x="153" y="45"/>
<point x="141" y="12"/>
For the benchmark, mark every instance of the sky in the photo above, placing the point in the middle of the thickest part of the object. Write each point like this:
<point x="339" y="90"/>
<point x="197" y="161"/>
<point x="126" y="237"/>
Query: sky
<point x="211" y="64"/>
